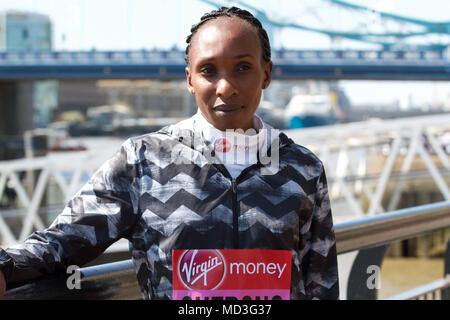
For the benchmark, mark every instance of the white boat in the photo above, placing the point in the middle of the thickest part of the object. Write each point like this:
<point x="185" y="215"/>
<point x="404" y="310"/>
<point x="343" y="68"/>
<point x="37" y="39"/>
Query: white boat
<point x="308" y="110"/>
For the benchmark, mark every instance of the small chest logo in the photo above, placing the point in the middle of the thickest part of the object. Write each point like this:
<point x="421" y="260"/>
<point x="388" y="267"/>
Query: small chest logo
<point x="222" y="145"/>
<point x="201" y="270"/>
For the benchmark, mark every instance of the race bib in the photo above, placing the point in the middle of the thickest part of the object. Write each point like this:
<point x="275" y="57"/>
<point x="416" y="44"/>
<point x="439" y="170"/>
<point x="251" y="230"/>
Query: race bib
<point x="229" y="274"/>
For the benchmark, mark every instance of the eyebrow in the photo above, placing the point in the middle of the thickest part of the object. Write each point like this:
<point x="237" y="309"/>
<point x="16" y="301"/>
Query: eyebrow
<point x="239" y="56"/>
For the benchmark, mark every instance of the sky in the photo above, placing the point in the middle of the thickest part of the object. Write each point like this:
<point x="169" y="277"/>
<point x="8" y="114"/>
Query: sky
<point x="138" y="24"/>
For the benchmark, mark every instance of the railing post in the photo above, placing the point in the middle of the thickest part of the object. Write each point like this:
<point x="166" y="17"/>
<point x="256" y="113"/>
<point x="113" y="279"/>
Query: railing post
<point x="358" y="287"/>
<point x="445" y="293"/>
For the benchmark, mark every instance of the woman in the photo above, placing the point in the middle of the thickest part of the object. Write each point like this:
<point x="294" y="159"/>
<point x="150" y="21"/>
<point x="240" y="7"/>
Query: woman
<point x="219" y="180"/>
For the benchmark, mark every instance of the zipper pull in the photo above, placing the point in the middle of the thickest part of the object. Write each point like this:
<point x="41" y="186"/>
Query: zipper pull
<point x="234" y="185"/>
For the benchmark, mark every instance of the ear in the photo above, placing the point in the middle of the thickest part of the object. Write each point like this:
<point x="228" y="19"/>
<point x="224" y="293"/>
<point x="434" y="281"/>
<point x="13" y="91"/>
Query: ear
<point x="268" y="74"/>
<point x="189" y="81"/>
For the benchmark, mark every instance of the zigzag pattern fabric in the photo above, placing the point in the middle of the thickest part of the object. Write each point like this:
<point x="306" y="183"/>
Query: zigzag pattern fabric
<point x="165" y="191"/>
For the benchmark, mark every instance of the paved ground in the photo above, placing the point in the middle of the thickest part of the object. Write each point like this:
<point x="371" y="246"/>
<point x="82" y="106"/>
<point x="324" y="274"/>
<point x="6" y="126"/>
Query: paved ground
<point x="401" y="274"/>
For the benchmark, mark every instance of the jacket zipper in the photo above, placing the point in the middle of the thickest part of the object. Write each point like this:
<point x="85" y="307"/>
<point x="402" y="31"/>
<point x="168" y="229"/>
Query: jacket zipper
<point x="234" y="183"/>
<point x="234" y="199"/>
<point x="235" y="214"/>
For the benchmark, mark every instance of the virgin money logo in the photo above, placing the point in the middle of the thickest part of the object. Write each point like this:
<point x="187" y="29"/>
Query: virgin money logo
<point x="201" y="269"/>
<point x="222" y="145"/>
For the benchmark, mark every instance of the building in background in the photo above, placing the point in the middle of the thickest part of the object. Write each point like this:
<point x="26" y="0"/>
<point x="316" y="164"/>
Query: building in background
<point x="25" y="31"/>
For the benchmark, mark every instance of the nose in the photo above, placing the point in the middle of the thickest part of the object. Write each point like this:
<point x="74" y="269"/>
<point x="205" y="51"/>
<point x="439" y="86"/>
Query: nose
<point x="225" y="88"/>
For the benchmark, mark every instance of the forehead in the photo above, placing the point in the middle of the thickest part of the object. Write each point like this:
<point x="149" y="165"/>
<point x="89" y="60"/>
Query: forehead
<point x="225" y="35"/>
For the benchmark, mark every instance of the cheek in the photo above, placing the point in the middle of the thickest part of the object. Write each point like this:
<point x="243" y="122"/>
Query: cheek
<point x="203" y="89"/>
<point x="254" y="85"/>
<point x="254" y="92"/>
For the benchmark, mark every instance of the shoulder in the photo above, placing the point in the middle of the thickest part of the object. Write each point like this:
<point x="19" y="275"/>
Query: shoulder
<point x="173" y="132"/>
<point x="306" y="165"/>
<point x="153" y="139"/>
<point x="160" y="144"/>
<point x="299" y="153"/>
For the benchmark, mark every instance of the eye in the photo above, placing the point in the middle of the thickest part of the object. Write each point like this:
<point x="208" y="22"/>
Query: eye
<point x="244" y="67"/>
<point x="207" y="70"/>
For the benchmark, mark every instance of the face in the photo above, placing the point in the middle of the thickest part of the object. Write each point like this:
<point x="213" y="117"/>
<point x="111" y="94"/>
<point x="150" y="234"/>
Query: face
<point x="226" y="72"/>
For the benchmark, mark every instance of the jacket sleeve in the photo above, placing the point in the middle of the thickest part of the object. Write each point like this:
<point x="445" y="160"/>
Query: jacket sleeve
<point x="102" y="212"/>
<point x="320" y="262"/>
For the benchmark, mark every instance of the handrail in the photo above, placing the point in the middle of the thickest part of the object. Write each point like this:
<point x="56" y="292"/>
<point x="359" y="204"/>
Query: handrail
<point x="106" y="269"/>
<point x="107" y="280"/>
<point x="355" y="234"/>
<point x="423" y="290"/>
<point x="391" y="226"/>
<point x="350" y="235"/>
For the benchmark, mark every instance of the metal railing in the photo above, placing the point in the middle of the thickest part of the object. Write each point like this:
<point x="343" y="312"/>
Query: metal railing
<point x="117" y="280"/>
<point x="94" y="57"/>
<point x="369" y="166"/>
<point x="385" y="228"/>
<point x="429" y="291"/>
<point x="372" y="235"/>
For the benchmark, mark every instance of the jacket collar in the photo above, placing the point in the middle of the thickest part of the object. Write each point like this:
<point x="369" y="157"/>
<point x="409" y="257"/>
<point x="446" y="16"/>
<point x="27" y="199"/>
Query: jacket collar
<point x="192" y="137"/>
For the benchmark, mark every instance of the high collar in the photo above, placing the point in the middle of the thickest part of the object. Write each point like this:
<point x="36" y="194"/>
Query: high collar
<point x="253" y="136"/>
<point x="191" y="133"/>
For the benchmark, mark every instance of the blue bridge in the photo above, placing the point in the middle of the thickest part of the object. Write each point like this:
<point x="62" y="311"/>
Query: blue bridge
<point x="288" y="64"/>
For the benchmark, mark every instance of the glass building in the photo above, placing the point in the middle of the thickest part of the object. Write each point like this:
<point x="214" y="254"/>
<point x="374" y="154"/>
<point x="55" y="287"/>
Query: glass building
<point x="30" y="31"/>
<point x="25" y="31"/>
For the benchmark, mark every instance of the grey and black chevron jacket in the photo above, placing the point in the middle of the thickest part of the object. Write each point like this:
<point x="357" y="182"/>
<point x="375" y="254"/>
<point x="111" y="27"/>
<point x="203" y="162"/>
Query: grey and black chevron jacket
<point x="166" y="190"/>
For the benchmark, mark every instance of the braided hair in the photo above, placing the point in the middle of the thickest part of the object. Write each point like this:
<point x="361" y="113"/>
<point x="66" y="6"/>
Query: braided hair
<point x="233" y="12"/>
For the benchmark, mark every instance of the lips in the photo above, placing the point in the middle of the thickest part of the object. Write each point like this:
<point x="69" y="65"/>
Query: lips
<point x="227" y="109"/>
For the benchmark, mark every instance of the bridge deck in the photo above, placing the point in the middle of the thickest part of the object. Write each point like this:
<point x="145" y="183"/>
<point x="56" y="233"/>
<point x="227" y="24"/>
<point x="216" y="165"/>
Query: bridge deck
<point x="292" y="64"/>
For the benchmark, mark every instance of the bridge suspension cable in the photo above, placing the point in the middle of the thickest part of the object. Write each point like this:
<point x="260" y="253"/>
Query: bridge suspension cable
<point x="387" y="40"/>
